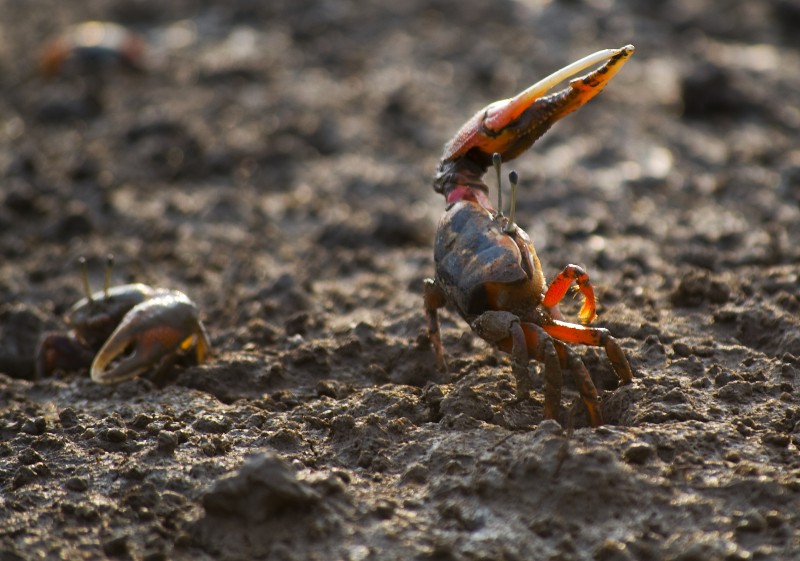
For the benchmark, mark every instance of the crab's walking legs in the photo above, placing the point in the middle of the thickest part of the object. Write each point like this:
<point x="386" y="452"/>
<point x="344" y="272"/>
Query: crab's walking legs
<point x="435" y="299"/>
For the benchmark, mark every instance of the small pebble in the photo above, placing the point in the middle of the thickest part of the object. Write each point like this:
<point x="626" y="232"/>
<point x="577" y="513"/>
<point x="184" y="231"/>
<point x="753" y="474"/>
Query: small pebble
<point x="638" y="453"/>
<point x="116" y="434"/>
<point x="774" y="518"/>
<point x="417" y="473"/>
<point x="612" y="550"/>
<point x="384" y="508"/>
<point x="23" y="476"/>
<point x="116" y="546"/>
<point x="141" y="421"/>
<point x="776" y="439"/>
<point x="78" y="484"/>
<point x="212" y="424"/>
<point x="733" y="457"/>
<point x="167" y="442"/>
<point x="35" y="426"/>
<point x="752" y="522"/>
<point x="30" y="456"/>
<point x="68" y="417"/>
<point x="682" y="349"/>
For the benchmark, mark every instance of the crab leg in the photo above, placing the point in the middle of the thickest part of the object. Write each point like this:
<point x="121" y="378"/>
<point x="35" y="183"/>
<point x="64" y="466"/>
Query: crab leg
<point x="545" y="351"/>
<point x="524" y="341"/>
<point x="595" y="337"/>
<point x="586" y="388"/>
<point x="60" y="352"/>
<point x="435" y="299"/>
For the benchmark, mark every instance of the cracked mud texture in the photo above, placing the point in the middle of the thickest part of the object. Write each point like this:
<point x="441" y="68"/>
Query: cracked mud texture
<point x="274" y="162"/>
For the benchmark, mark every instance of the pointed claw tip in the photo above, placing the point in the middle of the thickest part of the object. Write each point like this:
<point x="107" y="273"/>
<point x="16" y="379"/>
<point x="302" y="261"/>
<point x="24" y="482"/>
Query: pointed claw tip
<point x="625" y="52"/>
<point x="99" y="377"/>
<point x="587" y="316"/>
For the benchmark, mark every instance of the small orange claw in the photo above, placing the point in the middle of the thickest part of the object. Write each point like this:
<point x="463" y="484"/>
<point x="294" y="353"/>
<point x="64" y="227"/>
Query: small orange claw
<point x="561" y="283"/>
<point x="511" y="126"/>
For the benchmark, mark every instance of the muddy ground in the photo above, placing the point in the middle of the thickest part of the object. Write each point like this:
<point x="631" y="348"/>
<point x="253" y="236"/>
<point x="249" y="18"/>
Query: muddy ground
<point x="274" y="162"/>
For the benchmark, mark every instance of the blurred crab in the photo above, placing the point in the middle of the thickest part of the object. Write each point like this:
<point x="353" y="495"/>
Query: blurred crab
<point x="487" y="267"/>
<point x="124" y="331"/>
<point x="91" y="47"/>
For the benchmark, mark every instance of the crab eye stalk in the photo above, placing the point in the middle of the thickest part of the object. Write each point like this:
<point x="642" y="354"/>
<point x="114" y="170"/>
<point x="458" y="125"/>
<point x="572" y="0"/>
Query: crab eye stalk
<point x="497" y="161"/>
<point x="513" y="178"/>
<point x="87" y="290"/>
<point x="109" y="267"/>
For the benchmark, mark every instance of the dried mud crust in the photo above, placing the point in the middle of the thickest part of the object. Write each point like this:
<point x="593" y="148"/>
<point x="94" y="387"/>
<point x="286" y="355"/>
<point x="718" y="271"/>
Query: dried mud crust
<point x="274" y="163"/>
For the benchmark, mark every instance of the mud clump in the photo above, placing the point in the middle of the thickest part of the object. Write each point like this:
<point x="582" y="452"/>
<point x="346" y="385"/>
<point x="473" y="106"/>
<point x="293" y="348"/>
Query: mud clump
<point x="698" y="288"/>
<point x="263" y="505"/>
<point x="264" y="487"/>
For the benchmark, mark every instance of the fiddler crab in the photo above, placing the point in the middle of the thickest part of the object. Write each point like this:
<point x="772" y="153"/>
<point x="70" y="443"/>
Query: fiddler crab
<point x="486" y="265"/>
<point x="124" y="331"/>
<point x="93" y="46"/>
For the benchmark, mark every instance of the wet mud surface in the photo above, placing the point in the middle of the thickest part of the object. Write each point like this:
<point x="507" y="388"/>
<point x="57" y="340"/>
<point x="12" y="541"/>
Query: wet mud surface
<point x="274" y="162"/>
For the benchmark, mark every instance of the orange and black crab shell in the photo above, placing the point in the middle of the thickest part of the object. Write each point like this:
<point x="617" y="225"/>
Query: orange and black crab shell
<point x="480" y="267"/>
<point x="94" y="320"/>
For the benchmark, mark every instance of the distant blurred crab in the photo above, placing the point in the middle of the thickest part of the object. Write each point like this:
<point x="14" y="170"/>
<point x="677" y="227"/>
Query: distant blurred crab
<point x="124" y="331"/>
<point x="93" y="46"/>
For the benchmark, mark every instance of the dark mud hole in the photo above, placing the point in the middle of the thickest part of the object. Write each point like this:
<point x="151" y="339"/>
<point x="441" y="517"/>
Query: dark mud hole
<point x="275" y="164"/>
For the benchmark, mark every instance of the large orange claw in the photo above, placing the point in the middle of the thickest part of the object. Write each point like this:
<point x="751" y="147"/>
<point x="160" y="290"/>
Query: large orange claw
<point x="511" y="126"/>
